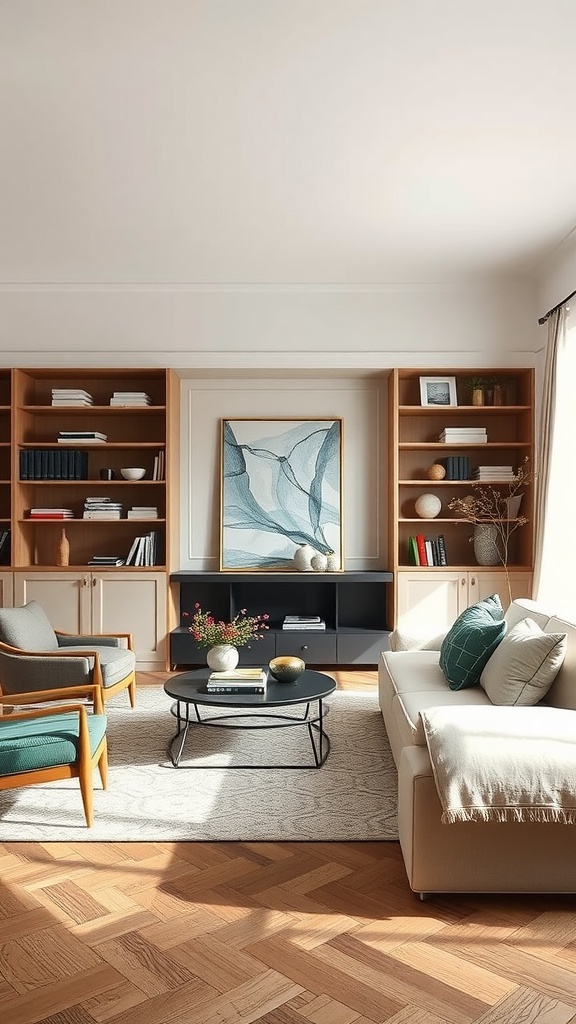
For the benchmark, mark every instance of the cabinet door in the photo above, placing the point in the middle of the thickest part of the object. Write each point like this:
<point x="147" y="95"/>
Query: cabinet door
<point x="428" y="602"/>
<point x="133" y="603"/>
<point x="64" y="596"/>
<point x="483" y="584"/>
<point x="6" y="589"/>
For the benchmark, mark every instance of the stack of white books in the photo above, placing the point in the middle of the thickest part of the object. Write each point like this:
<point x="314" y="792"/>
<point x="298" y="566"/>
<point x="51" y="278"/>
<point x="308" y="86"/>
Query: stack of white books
<point x="303" y="622"/>
<point x="238" y="680"/>
<point x="130" y="399"/>
<point x="81" y="437"/>
<point x="102" y="508"/>
<point x="142" y="512"/>
<point x="494" y="473"/>
<point x="51" y="513"/>
<point x="106" y="560"/>
<point x="464" y="435"/>
<point x="71" y="396"/>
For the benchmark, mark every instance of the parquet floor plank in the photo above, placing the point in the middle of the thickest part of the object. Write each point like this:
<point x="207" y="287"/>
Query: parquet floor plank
<point x="269" y="933"/>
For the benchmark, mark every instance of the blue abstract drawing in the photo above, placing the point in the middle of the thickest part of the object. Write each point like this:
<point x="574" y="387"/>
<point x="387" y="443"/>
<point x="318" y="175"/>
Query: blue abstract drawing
<point x="281" y="486"/>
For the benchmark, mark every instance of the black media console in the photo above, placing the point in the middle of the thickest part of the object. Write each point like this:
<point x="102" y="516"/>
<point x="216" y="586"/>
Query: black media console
<point x="353" y="605"/>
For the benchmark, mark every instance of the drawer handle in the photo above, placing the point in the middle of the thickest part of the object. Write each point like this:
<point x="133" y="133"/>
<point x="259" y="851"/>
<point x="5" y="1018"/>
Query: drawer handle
<point x="304" y="647"/>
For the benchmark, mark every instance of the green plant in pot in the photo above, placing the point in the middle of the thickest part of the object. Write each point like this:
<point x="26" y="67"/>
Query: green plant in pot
<point x="477" y="385"/>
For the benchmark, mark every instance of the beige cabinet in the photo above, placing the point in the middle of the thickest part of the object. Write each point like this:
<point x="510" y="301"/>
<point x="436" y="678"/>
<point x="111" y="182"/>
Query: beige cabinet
<point x="429" y="601"/>
<point x="111" y="602"/>
<point x="6" y="589"/>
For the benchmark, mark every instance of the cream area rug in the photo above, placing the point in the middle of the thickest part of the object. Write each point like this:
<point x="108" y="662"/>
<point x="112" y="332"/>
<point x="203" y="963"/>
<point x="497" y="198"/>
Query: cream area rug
<point x="352" y="797"/>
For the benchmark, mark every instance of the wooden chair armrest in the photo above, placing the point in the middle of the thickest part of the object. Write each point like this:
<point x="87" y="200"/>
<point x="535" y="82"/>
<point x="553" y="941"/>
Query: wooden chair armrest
<point x="114" y="636"/>
<point x="61" y="709"/>
<point x="90" y="690"/>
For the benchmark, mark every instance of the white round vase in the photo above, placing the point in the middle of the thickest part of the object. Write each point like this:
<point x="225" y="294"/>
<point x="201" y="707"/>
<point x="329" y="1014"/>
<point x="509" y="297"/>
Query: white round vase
<point x="222" y="658"/>
<point x="319" y="562"/>
<point x="303" y="557"/>
<point x="486" y="549"/>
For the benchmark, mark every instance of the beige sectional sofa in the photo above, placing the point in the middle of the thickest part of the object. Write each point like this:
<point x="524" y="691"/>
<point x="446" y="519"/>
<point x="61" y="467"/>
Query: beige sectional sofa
<point x="469" y="856"/>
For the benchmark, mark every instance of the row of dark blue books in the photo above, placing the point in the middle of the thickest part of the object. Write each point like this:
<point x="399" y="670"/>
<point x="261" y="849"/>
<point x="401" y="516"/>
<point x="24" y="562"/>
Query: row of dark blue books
<point x="53" y="464"/>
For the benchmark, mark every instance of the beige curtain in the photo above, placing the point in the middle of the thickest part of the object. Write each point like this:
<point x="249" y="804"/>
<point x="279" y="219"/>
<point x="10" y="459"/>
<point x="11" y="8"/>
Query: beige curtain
<point x="555" y="553"/>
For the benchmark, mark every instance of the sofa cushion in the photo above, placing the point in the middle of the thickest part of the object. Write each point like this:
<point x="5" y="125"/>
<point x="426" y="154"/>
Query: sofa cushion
<point x="27" y="628"/>
<point x="562" y="693"/>
<point x="524" y="665"/>
<point x="470" y="642"/>
<point x="116" y="663"/>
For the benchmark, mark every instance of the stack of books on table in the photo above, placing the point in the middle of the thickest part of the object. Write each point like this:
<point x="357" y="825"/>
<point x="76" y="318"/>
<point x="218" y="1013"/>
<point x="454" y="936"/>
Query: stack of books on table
<point x="102" y="508"/>
<point x="51" y="513"/>
<point x="464" y="435"/>
<point x="106" y="560"/>
<point x="71" y="396"/>
<point x="142" y="512"/>
<point x="301" y="622"/>
<point x="81" y="437"/>
<point x="238" y="680"/>
<point x="498" y="474"/>
<point x="130" y="399"/>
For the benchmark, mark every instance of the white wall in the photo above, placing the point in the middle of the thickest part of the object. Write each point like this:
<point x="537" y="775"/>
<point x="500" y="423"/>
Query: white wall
<point x="361" y="403"/>
<point x="187" y="328"/>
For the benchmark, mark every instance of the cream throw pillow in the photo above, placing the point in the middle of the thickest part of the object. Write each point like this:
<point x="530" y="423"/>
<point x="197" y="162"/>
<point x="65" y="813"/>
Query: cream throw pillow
<point x="524" y="665"/>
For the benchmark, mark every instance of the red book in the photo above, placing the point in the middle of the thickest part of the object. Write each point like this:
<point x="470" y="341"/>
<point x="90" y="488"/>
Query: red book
<point x="421" y="549"/>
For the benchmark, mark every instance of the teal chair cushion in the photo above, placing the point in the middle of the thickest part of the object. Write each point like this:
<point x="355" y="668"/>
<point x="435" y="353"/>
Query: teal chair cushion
<point x="26" y="745"/>
<point x="28" y="628"/>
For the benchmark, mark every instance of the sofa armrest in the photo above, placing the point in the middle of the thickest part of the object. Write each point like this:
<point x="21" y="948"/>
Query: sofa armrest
<point x="402" y="640"/>
<point x="69" y="640"/>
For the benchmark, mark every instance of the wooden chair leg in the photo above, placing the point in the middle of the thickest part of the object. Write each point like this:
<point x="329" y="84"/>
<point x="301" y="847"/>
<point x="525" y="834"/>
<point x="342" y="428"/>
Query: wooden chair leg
<point x="132" y="692"/>
<point x="85" y="777"/>
<point x="103" y="764"/>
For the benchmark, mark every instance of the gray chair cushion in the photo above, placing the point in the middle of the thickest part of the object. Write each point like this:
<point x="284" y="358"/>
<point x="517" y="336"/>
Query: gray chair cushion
<point x="28" y="628"/>
<point x="116" y="663"/>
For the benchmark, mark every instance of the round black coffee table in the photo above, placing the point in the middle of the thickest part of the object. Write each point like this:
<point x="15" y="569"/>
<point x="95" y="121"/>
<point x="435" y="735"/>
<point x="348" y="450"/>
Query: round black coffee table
<point x="252" y="711"/>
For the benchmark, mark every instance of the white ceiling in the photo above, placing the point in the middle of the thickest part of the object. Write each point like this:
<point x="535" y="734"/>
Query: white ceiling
<point x="284" y="141"/>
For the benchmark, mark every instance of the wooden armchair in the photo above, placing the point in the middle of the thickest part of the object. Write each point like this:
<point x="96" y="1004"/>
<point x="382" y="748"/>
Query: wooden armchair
<point x="59" y="742"/>
<point x="33" y="656"/>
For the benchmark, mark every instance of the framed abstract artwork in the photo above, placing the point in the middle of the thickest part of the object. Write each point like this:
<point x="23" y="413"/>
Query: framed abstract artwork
<point x="281" y="486"/>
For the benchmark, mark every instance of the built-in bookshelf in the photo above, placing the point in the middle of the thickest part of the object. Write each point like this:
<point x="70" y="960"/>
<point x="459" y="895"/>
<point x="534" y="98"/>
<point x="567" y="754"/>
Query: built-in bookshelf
<point x="422" y="435"/>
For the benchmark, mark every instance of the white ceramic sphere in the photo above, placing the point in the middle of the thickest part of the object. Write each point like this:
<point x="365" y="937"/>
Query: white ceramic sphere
<point x="133" y="473"/>
<point x="428" y="506"/>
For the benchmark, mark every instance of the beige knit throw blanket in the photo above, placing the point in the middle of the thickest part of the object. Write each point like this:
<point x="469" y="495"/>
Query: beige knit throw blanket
<point x="503" y="763"/>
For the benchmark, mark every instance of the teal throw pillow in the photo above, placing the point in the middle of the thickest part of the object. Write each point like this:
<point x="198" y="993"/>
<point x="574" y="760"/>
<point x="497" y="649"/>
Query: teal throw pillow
<point x="469" y="643"/>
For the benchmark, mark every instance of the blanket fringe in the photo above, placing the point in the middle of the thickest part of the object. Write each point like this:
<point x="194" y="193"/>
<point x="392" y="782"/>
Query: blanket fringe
<point x="530" y="815"/>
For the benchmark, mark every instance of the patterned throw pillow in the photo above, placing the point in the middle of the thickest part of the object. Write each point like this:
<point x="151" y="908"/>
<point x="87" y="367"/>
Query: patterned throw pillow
<point x="470" y="642"/>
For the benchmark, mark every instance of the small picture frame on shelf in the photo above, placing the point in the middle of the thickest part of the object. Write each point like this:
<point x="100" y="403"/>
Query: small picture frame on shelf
<point x="438" y="391"/>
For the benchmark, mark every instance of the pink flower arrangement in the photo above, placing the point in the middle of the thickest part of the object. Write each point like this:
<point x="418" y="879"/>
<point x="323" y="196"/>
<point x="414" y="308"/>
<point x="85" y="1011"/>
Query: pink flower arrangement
<point x="207" y="631"/>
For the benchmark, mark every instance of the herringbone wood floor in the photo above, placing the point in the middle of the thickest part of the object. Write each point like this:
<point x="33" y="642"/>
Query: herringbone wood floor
<point x="279" y="933"/>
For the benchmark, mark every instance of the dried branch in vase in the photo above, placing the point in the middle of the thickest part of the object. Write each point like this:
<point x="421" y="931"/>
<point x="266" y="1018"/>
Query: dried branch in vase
<point x="498" y="506"/>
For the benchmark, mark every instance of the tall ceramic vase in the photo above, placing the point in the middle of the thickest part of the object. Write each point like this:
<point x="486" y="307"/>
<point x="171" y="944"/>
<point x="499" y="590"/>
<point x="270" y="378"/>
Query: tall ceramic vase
<point x="486" y="547"/>
<point x="222" y="658"/>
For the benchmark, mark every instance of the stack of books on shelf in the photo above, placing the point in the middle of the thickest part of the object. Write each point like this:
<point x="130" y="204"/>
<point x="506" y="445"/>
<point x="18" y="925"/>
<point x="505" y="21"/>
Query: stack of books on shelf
<point x="238" y="680"/>
<point x="102" y="508"/>
<point x="130" y="399"/>
<point x="81" y="436"/>
<point x="457" y="467"/>
<point x="497" y="474"/>
<point x="106" y="560"/>
<point x="142" y="512"/>
<point x="53" y="464"/>
<point x="51" y="513"/>
<point x="158" y="471"/>
<point x="464" y="435"/>
<point x="427" y="551"/>
<point x="143" y="550"/>
<point x="4" y="547"/>
<point x="71" y="396"/>
<point x="303" y="622"/>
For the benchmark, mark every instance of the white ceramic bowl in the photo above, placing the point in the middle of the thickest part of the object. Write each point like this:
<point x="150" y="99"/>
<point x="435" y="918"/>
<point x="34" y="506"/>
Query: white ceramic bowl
<point x="133" y="474"/>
